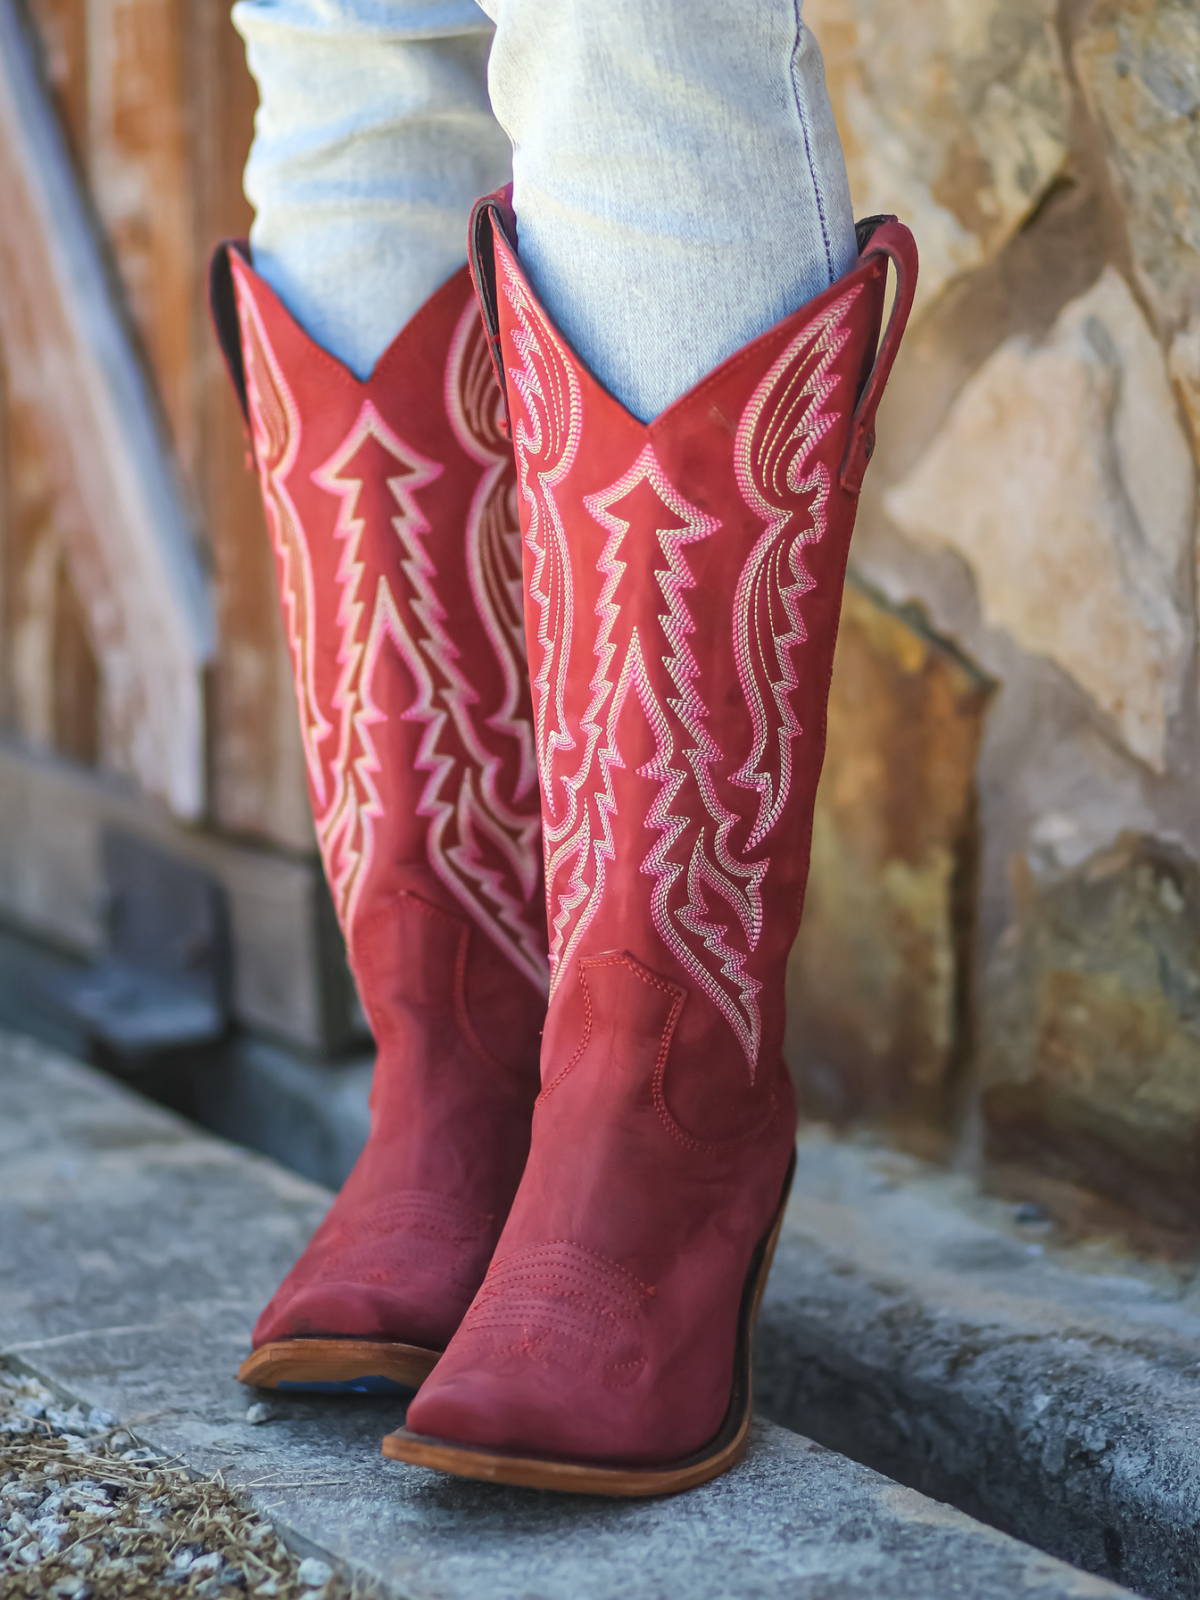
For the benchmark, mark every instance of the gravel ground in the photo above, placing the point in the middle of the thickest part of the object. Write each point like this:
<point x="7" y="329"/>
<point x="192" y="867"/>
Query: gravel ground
<point x="87" y="1513"/>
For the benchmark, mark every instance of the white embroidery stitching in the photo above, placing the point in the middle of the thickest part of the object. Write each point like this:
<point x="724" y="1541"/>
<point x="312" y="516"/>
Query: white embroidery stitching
<point x="346" y="797"/>
<point x="345" y="830"/>
<point x="779" y="432"/>
<point x="493" y="548"/>
<point x="450" y="799"/>
<point x="546" y="441"/>
<point x="736" y="995"/>
<point x="276" y="444"/>
<point x="475" y="408"/>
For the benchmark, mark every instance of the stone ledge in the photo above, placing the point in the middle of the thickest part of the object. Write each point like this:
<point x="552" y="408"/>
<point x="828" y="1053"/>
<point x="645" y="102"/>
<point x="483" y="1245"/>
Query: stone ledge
<point x="134" y="1253"/>
<point x="1051" y="1390"/>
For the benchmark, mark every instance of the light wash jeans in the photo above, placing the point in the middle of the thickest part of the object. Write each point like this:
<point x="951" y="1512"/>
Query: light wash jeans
<point x="678" y="181"/>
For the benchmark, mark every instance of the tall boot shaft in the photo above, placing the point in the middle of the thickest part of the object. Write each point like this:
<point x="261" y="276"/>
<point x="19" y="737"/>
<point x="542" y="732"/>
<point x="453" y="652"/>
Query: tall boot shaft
<point x="391" y="508"/>
<point x="683" y="586"/>
<point x="390" y="504"/>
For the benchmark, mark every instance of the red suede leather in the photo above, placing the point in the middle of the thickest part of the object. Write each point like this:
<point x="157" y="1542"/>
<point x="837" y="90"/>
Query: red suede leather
<point x="683" y="585"/>
<point x="391" y="509"/>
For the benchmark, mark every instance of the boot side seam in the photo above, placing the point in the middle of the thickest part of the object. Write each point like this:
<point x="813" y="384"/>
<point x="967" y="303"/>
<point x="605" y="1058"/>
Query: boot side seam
<point x="425" y="908"/>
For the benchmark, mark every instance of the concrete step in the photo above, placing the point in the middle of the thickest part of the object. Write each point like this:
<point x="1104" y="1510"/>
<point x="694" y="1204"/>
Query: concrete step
<point x="134" y="1253"/>
<point x="1051" y="1390"/>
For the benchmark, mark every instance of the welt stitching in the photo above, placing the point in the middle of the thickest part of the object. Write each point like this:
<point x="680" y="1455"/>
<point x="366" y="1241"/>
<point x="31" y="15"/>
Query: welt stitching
<point x="546" y="1281"/>
<point x="542" y="1281"/>
<point x="711" y="1147"/>
<point x="583" y="1043"/>
<point x="587" y="964"/>
<point x="660" y="1103"/>
<point x="579" y="1309"/>
<point x="603" y="1263"/>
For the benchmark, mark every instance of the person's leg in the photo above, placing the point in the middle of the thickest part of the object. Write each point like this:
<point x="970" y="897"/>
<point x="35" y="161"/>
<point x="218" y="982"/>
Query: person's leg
<point x="388" y="493"/>
<point x="373" y="138"/>
<point x="677" y="177"/>
<point x="683" y="578"/>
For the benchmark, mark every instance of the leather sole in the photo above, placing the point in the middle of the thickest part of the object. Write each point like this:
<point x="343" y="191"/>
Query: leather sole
<point x="338" y="1366"/>
<point x="723" y="1451"/>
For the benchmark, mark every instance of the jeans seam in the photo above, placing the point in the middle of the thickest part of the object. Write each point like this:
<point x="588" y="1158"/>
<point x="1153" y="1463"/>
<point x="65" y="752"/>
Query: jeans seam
<point x="807" y="142"/>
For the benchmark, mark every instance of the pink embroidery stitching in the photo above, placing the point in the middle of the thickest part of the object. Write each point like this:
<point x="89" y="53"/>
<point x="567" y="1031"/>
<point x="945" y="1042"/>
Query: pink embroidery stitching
<point x="346" y="831"/>
<point x="780" y="430"/>
<point x="449" y="751"/>
<point x="564" y="1304"/>
<point x="482" y="840"/>
<point x="506" y="742"/>
<point x="546" y="440"/>
<point x="476" y="409"/>
<point x="782" y="426"/>
<point x="275" y="427"/>
<point x="731" y="988"/>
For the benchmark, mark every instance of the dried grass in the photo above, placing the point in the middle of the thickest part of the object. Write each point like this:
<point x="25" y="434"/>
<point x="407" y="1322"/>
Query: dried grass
<point x="87" y="1513"/>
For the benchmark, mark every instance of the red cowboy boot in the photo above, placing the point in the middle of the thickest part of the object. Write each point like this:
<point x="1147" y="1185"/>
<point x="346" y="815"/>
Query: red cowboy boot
<point x="683" y="580"/>
<point x="391" y="506"/>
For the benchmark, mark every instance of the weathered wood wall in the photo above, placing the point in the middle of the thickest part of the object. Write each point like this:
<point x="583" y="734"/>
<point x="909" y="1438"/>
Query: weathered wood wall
<point x="157" y="107"/>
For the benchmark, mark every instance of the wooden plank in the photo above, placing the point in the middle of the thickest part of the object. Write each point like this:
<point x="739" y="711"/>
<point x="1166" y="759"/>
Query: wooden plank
<point x="118" y="506"/>
<point x="257" y="761"/>
<point x="138" y="168"/>
<point x="164" y="152"/>
<point x="61" y="31"/>
<point x="52" y="690"/>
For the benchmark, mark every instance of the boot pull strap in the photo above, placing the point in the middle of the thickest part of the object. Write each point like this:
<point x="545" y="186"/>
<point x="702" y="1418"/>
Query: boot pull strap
<point x="493" y="214"/>
<point x="222" y="306"/>
<point x="880" y="236"/>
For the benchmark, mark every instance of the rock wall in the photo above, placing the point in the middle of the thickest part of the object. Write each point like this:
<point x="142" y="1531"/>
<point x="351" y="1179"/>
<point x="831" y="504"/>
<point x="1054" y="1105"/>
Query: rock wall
<point x="1033" y="502"/>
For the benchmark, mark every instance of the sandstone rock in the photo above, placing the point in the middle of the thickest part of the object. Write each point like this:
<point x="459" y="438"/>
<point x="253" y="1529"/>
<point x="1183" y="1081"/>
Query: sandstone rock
<point x="877" y="978"/>
<point x="1063" y="478"/>
<point x="1184" y="364"/>
<point x="1140" y="67"/>
<point x="953" y="113"/>
<point x="1091" y="1032"/>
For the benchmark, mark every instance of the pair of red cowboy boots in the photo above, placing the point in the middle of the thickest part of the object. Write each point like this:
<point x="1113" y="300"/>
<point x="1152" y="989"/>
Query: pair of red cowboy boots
<point x="562" y="680"/>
